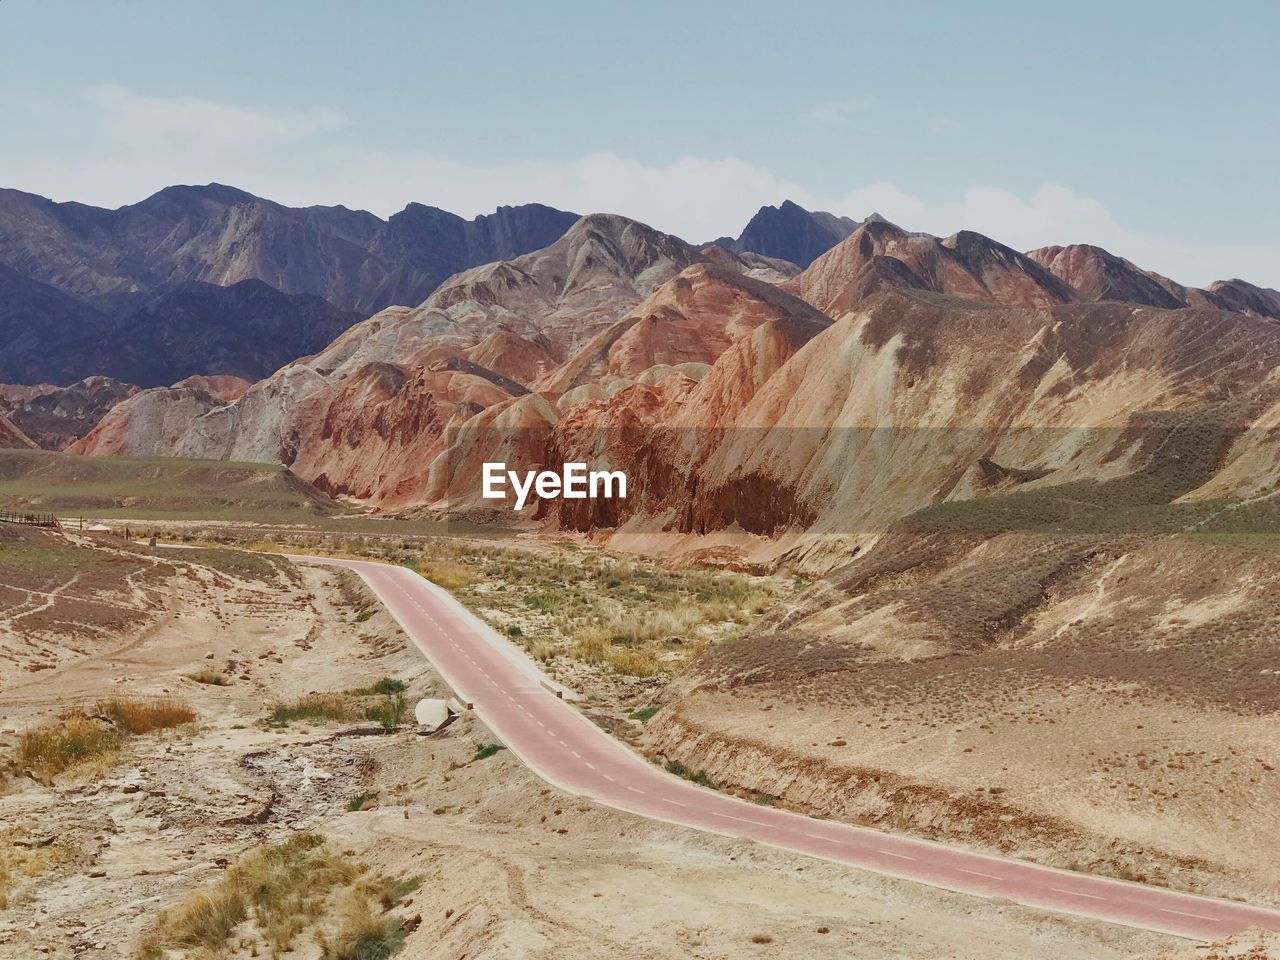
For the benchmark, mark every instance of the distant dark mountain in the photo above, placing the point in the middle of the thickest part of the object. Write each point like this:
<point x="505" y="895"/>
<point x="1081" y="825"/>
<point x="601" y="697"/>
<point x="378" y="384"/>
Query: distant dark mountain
<point x="219" y="234"/>
<point x="790" y="232"/>
<point x="213" y="280"/>
<point x="249" y="329"/>
<point x="34" y="319"/>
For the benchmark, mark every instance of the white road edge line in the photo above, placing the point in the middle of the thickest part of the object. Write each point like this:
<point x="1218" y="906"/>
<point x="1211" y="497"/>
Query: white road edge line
<point x="1075" y="893"/>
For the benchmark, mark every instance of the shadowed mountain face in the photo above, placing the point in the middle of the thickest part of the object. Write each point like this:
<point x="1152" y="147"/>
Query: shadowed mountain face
<point x="246" y="330"/>
<point x="221" y="235"/>
<point x="34" y="319"/>
<point x="213" y="280"/>
<point x="790" y="232"/>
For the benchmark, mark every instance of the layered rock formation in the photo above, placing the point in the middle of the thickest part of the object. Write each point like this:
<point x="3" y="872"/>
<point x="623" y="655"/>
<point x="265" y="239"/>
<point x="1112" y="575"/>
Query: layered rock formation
<point x="955" y="368"/>
<point x="880" y="255"/>
<point x="55" y="416"/>
<point x="1098" y="275"/>
<point x="11" y="437"/>
<point x="523" y="316"/>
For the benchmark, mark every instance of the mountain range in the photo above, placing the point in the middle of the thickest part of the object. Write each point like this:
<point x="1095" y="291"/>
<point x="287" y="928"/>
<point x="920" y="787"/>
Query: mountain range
<point x="735" y="384"/>
<point x="137" y="292"/>
<point x="897" y="371"/>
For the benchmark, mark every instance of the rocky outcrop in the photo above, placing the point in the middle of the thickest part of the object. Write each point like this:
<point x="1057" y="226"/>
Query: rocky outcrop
<point x="228" y="389"/>
<point x="147" y="423"/>
<point x="691" y="319"/>
<point x="55" y="416"/>
<point x="754" y="265"/>
<point x="11" y="437"/>
<point x="880" y="255"/>
<point x="1244" y="297"/>
<point x="1096" y="274"/>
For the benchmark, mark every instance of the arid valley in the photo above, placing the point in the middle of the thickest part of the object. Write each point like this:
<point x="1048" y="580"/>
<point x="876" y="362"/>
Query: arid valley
<point x="579" y="482"/>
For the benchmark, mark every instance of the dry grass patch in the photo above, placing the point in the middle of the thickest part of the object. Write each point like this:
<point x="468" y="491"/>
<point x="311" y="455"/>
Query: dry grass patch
<point x="210" y="677"/>
<point x="92" y="740"/>
<point x="451" y="576"/>
<point x="273" y="895"/>
<point x="139" y="715"/>
<point x="24" y="857"/>
<point x="635" y="663"/>
<point x="70" y="741"/>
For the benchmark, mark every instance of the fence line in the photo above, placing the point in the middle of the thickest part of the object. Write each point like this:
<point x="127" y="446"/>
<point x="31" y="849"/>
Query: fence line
<point x="30" y="519"/>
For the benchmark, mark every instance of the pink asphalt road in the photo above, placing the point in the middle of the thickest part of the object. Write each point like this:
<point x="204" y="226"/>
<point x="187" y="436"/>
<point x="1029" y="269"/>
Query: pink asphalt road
<point x="570" y="752"/>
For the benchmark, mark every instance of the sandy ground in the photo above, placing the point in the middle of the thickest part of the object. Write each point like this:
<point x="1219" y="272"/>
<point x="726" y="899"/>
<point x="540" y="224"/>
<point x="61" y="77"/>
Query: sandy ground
<point x="512" y="868"/>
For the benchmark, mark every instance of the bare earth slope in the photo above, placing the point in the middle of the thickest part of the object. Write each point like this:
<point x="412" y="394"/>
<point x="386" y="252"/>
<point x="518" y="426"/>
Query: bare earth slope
<point x="507" y="865"/>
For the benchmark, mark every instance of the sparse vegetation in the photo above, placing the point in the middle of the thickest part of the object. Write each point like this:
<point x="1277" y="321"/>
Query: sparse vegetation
<point x="644" y="714"/>
<point x="210" y="677"/>
<point x="486" y="750"/>
<point x="700" y="776"/>
<point x="451" y="576"/>
<point x="361" y="933"/>
<point x="52" y="748"/>
<point x="314" y="706"/>
<point x="283" y="890"/>
<point x="24" y="857"/>
<point x="139" y="715"/>
<point x="388" y="711"/>
<point x="631" y="618"/>
<point x="83" y="738"/>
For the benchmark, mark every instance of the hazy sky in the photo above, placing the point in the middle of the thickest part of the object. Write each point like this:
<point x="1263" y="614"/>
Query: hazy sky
<point x="1149" y="128"/>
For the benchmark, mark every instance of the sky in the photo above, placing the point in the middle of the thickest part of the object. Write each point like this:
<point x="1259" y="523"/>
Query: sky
<point x="1151" y="129"/>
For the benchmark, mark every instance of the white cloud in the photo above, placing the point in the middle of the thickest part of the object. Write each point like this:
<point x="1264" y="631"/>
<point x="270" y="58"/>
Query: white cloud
<point x="836" y="113"/>
<point x="116" y="146"/>
<point x="199" y="125"/>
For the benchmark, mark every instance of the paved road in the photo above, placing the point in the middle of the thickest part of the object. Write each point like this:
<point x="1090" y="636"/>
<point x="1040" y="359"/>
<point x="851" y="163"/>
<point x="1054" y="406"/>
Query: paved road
<point x="569" y="751"/>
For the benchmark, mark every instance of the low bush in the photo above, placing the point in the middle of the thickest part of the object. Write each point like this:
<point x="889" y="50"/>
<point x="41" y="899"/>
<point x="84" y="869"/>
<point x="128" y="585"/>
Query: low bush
<point x="51" y="748"/>
<point x="286" y="889"/>
<point x="138" y="715"/>
<point x="389" y="711"/>
<point x="210" y="677"/>
<point x="314" y="706"/>
<point x="700" y="777"/>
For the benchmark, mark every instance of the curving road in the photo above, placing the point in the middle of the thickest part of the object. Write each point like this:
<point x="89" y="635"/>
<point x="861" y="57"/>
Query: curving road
<point x="567" y="750"/>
